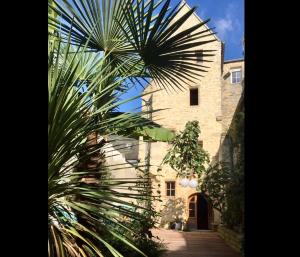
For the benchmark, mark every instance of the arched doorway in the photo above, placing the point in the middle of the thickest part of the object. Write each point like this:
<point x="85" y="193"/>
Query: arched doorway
<point x="200" y="212"/>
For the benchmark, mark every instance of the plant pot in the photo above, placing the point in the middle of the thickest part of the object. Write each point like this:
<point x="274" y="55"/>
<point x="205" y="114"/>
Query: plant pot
<point x="178" y="225"/>
<point x="172" y="225"/>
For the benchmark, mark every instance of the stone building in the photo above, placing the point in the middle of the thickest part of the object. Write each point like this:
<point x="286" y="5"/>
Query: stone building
<point x="211" y="101"/>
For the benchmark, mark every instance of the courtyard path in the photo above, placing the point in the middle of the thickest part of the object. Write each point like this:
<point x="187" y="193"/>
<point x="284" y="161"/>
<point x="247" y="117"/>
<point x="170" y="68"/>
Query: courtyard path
<point x="194" y="244"/>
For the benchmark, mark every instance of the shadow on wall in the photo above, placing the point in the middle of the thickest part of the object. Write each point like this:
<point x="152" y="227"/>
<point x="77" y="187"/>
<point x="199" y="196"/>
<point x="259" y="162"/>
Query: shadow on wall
<point x="173" y="210"/>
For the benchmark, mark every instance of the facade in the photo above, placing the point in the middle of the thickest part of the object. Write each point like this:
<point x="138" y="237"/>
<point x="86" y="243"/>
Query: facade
<point x="212" y="101"/>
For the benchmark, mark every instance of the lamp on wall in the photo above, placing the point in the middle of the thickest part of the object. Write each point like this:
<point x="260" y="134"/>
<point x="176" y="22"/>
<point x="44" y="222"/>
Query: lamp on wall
<point x="193" y="183"/>
<point x="184" y="182"/>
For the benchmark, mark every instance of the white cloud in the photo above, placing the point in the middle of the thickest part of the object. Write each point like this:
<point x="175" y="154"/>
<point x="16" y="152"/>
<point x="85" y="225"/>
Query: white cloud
<point x="202" y="13"/>
<point x="223" y="26"/>
<point x="229" y="23"/>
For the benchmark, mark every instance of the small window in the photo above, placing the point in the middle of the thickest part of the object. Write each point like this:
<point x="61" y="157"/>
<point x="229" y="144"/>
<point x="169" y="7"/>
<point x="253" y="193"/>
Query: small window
<point x="170" y="186"/>
<point x="236" y="76"/>
<point x="194" y="96"/>
<point x="199" y="56"/>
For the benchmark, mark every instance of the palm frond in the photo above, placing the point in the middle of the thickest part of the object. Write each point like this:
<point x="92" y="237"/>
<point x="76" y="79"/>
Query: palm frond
<point x="168" y="54"/>
<point x="71" y="120"/>
<point x="147" y="34"/>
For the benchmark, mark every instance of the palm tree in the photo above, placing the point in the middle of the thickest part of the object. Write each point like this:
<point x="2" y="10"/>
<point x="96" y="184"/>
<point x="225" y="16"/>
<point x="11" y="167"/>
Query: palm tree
<point x="112" y="41"/>
<point x="143" y="32"/>
<point x="71" y="121"/>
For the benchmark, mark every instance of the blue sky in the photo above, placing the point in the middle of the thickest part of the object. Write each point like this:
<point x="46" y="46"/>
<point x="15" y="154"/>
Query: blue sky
<point x="227" y="16"/>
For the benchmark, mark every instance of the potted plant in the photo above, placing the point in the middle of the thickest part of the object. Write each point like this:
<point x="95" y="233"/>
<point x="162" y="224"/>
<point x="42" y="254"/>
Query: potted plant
<point x="178" y="224"/>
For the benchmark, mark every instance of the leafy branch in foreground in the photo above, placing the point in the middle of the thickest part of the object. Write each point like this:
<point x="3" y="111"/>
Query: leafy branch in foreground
<point x="186" y="156"/>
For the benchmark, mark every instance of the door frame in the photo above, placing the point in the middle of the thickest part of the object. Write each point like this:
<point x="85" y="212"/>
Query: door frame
<point x="210" y="212"/>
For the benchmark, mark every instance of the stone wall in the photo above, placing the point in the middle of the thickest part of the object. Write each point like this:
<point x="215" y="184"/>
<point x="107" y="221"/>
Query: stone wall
<point x="218" y="99"/>
<point x="118" y="152"/>
<point x="232" y="238"/>
<point x="231" y="93"/>
<point x="178" y="112"/>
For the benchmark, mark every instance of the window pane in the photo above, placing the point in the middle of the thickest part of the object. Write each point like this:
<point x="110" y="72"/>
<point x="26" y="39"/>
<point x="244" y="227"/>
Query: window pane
<point x="192" y="213"/>
<point x="239" y="76"/>
<point x="236" y="76"/>
<point x="170" y="188"/>
<point x="192" y="209"/>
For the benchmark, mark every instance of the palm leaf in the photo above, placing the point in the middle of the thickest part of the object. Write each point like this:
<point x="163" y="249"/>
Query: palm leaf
<point x="71" y="119"/>
<point x="144" y="32"/>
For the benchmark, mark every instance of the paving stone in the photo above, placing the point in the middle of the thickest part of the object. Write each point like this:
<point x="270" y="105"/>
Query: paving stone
<point x="194" y="244"/>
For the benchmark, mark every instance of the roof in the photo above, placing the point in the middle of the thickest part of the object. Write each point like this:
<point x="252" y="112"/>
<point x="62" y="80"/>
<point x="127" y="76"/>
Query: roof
<point x="234" y="60"/>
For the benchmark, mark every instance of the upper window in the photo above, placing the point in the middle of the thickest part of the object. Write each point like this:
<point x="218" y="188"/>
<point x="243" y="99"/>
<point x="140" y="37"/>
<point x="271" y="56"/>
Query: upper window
<point x="236" y="76"/>
<point x="199" y="56"/>
<point x="194" y="96"/>
<point x="170" y="186"/>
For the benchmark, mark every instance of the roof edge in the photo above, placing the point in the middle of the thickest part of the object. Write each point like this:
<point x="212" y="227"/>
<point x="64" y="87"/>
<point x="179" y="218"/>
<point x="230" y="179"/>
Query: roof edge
<point x="234" y="60"/>
<point x="183" y="2"/>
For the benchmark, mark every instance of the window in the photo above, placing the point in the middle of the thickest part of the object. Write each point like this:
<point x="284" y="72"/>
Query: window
<point x="170" y="186"/>
<point x="192" y="208"/>
<point x="199" y="56"/>
<point x="194" y="96"/>
<point x="236" y="76"/>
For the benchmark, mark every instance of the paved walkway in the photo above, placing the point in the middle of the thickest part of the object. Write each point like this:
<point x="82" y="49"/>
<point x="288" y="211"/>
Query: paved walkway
<point x="194" y="244"/>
